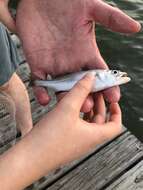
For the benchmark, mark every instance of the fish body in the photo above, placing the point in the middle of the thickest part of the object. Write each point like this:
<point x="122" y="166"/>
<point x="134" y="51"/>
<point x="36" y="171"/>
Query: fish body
<point x="103" y="79"/>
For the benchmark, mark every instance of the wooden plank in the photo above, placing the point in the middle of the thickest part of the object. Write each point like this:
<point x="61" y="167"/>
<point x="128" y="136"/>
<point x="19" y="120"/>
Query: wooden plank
<point x="8" y="129"/>
<point x="16" y="40"/>
<point x="132" y="180"/>
<point x="7" y="146"/>
<point x="53" y="176"/>
<point x="7" y="120"/>
<point x="24" y="72"/>
<point x="102" y="167"/>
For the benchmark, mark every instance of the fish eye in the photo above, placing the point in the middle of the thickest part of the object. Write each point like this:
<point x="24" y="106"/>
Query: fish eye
<point x="115" y="72"/>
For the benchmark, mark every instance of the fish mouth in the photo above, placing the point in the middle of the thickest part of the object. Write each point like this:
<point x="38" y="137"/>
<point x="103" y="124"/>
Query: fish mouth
<point x="124" y="78"/>
<point x="124" y="75"/>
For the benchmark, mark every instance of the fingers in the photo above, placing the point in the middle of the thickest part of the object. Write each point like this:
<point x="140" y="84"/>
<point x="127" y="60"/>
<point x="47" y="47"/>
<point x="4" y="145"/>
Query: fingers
<point x="112" y="94"/>
<point x="41" y="95"/>
<point x="6" y="18"/>
<point x="115" y="113"/>
<point x="113" y="18"/>
<point x="87" y="105"/>
<point x="40" y="92"/>
<point x="99" y="109"/>
<point x="110" y="129"/>
<point x="114" y="127"/>
<point x="98" y="113"/>
<point x="79" y="93"/>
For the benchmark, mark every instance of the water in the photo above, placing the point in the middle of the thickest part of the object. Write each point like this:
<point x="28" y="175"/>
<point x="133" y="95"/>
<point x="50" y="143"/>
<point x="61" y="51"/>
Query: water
<point x="126" y="53"/>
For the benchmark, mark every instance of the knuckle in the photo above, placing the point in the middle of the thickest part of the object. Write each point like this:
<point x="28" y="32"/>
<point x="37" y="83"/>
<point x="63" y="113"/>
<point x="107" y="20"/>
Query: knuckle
<point x="112" y="16"/>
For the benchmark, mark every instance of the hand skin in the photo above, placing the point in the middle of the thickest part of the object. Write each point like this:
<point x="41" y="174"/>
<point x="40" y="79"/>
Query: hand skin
<point x="58" y="37"/>
<point x="5" y="16"/>
<point x="49" y="145"/>
<point x="67" y="43"/>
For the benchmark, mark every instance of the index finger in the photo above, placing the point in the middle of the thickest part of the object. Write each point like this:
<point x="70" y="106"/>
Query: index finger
<point x="115" y="113"/>
<point x="114" y="127"/>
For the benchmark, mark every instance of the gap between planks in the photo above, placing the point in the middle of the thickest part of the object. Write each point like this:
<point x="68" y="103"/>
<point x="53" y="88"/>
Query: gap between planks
<point x="102" y="167"/>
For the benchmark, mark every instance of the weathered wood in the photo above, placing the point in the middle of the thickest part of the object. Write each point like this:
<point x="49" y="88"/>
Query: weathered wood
<point x="53" y="176"/>
<point x="103" y="167"/>
<point x="132" y="180"/>
<point x="7" y="146"/>
<point x="7" y="120"/>
<point x="24" y="72"/>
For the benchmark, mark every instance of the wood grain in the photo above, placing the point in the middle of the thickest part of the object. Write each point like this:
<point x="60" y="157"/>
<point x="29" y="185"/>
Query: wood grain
<point x="132" y="180"/>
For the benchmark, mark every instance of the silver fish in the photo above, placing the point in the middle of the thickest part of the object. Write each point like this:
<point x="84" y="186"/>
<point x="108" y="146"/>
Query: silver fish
<point x="103" y="79"/>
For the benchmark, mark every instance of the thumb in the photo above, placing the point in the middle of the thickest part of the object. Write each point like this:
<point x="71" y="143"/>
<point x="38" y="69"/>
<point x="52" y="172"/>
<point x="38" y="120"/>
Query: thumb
<point x="41" y="95"/>
<point x="6" y="18"/>
<point x="40" y="92"/>
<point x="80" y="92"/>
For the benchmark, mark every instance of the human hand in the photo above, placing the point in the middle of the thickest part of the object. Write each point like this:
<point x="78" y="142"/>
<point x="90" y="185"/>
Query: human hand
<point x="5" y="16"/>
<point x="48" y="145"/>
<point x="58" y="37"/>
<point x="75" y="137"/>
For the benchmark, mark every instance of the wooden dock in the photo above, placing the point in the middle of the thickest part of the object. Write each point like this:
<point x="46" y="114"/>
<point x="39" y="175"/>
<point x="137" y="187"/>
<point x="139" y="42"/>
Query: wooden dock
<point x="115" y="165"/>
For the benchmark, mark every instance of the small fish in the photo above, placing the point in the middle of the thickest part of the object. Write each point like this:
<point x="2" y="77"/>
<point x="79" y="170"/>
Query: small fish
<point x="103" y="79"/>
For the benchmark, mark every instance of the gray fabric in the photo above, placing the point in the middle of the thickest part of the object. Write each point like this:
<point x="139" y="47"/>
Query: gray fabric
<point x="9" y="58"/>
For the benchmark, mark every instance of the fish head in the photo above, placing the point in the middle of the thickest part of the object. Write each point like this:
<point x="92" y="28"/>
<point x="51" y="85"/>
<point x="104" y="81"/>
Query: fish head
<point x="117" y="77"/>
<point x="120" y="77"/>
<point x="109" y="78"/>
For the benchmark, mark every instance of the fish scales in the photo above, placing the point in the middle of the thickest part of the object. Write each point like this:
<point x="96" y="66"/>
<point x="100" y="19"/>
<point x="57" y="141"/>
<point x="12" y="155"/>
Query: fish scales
<point x="104" y="79"/>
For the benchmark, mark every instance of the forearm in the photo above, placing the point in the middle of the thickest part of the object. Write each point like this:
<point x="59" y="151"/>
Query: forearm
<point x="32" y="158"/>
<point x="25" y="163"/>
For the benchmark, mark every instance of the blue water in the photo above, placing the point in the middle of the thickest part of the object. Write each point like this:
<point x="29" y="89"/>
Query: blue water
<point x="126" y="53"/>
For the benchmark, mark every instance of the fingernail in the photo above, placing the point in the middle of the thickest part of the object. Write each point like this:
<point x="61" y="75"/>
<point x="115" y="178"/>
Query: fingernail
<point x="140" y="26"/>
